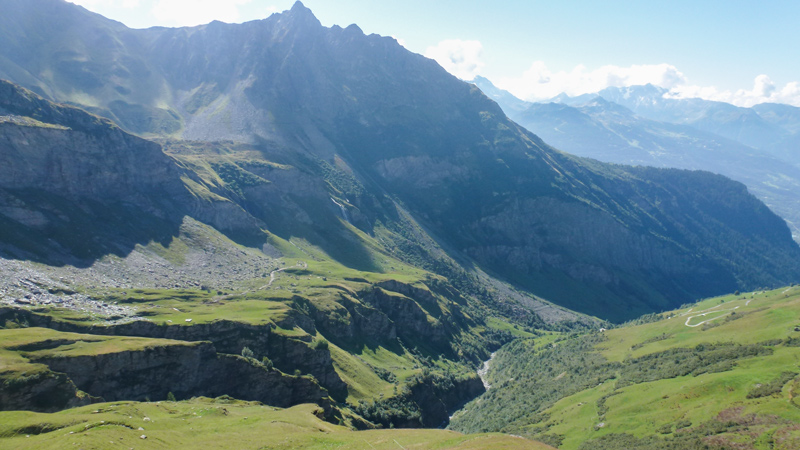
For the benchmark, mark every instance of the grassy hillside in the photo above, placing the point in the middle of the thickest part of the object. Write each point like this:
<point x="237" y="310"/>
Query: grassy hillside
<point x="398" y="346"/>
<point x="220" y="424"/>
<point x="721" y="373"/>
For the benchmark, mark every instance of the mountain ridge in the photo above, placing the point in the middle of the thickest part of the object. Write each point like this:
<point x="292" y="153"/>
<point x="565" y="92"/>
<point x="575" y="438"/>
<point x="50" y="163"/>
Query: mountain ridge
<point x="604" y="130"/>
<point x="384" y="132"/>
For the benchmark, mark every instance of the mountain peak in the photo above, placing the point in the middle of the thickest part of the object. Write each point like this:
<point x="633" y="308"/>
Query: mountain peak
<point x="598" y="101"/>
<point x="600" y="105"/>
<point x="300" y="7"/>
<point x="299" y="12"/>
<point x="354" y="29"/>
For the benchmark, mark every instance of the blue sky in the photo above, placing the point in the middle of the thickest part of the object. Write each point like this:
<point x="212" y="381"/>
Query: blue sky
<point x="743" y="52"/>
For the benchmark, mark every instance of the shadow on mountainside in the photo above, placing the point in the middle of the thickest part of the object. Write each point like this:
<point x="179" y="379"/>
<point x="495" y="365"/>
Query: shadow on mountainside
<point x="77" y="234"/>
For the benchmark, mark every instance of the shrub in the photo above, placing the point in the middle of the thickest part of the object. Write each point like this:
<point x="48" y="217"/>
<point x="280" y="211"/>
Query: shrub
<point x="665" y="429"/>
<point x="772" y="387"/>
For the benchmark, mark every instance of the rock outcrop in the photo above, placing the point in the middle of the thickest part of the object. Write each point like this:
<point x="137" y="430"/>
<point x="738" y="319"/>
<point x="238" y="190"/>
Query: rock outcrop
<point x="228" y="337"/>
<point x="186" y="370"/>
<point x="42" y="391"/>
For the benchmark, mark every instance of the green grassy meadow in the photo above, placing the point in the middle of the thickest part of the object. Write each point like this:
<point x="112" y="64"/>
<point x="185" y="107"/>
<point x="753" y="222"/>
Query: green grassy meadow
<point x="722" y="373"/>
<point x="219" y="424"/>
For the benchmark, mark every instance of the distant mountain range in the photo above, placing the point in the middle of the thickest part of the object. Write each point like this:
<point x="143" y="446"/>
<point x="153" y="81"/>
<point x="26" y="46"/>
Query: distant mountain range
<point x="339" y="124"/>
<point x="638" y="125"/>
<point x="766" y="126"/>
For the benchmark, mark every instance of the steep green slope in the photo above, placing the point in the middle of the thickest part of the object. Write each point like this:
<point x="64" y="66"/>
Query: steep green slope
<point x="720" y="373"/>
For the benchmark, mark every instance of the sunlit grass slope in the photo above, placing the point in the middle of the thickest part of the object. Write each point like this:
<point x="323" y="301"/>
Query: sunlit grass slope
<point x="721" y="373"/>
<point x="219" y="424"/>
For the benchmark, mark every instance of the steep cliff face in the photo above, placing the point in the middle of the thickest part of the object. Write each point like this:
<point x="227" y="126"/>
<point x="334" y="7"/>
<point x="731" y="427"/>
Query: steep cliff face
<point x="439" y="399"/>
<point x="186" y="371"/>
<point x="75" y="185"/>
<point x="42" y="391"/>
<point x="76" y="165"/>
<point x="350" y="320"/>
<point x="64" y="150"/>
<point x="287" y="353"/>
<point x="44" y="370"/>
<point x="410" y="319"/>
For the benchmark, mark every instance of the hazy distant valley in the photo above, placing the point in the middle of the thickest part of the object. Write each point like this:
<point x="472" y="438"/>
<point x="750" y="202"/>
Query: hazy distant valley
<point x="274" y="234"/>
<point x="640" y="126"/>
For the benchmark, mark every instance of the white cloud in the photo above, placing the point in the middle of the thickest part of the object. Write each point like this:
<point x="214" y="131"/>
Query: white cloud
<point x="764" y="90"/>
<point x="460" y="58"/>
<point x="197" y="12"/>
<point x="539" y="82"/>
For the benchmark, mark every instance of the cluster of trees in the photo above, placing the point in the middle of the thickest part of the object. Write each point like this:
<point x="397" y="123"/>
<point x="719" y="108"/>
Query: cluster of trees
<point x="527" y="379"/>
<point x="773" y="387"/>
<point x="678" y="362"/>
<point x="398" y="411"/>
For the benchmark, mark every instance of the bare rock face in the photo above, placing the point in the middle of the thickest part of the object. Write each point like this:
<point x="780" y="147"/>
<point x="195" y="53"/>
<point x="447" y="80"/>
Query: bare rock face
<point x="227" y="337"/>
<point x="410" y="319"/>
<point x="186" y="371"/>
<point x="44" y="391"/>
<point x="351" y="320"/>
<point x="67" y="151"/>
<point x="76" y="164"/>
<point x="438" y="400"/>
<point x="89" y="188"/>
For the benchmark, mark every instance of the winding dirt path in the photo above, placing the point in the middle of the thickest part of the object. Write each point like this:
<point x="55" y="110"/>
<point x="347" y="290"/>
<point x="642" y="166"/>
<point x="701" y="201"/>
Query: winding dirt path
<point x="302" y="264"/>
<point x="708" y="311"/>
